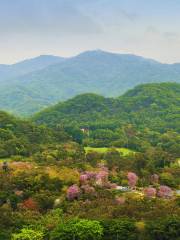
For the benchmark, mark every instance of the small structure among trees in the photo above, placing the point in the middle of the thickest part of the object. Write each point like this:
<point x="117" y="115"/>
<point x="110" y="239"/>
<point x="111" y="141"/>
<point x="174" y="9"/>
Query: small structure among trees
<point x="5" y="167"/>
<point x="85" y="131"/>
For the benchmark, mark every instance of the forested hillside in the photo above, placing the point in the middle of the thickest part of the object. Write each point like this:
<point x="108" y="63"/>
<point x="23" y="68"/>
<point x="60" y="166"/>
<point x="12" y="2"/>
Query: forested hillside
<point x="148" y="111"/>
<point x="99" y="72"/>
<point x="23" y="138"/>
<point x="145" y="101"/>
<point x="93" y="168"/>
<point x="89" y="138"/>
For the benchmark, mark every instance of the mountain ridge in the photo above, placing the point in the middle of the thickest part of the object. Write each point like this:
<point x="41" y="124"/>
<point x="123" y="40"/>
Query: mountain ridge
<point x="154" y="99"/>
<point x="99" y="72"/>
<point x="27" y="66"/>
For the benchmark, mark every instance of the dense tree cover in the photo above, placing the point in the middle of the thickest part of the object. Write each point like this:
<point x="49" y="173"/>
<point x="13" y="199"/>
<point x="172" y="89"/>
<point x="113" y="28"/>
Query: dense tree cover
<point x="121" y="229"/>
<point x="168" y="228"/>
<point x="98" y="72"/>
<point x="161" y="99"/>
<point x="20" y="137"/>
<point x="78" y="229"/>
<point x="26" y="234"/>
<point x="51" y="188"/>
<point x="147" y="116"/>
<point x="43" y="197"/>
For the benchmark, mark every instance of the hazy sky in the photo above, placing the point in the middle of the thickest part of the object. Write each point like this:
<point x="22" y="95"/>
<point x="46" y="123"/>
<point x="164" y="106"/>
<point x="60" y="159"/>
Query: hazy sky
<point x="149" y="28"/>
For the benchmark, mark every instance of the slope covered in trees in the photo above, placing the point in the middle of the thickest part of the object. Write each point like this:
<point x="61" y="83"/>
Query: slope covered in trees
<point x="18" y="137"/>
<point x="147" y="101"/>
<point x="147" y="111"/>
<point x="51" y="188"/>
<point x="97" y="72"/>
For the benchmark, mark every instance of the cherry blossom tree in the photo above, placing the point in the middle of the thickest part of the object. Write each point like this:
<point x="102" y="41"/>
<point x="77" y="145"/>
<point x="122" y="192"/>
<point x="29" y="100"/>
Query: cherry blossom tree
<point x="83" y="178"/>
<point x="103" y="174"/>
<point x="91" y="175"/>
<point x="165" y="192"/>
<point x="132" y="179"/>
<point x="102" y="177"/>
<point x="73" y="192"/>
<point x="150" y="192"/>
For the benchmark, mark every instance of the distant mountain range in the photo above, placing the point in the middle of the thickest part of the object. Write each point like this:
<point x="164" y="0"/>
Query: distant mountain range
<point x="31" y="85"/>
<point x="27" y="66"/>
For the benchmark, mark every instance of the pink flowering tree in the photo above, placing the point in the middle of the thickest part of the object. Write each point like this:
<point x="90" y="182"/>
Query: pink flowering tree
<point x="91" y="175"/>
<point x="150" y="192"/>
<point x="103" y="174"/>
<point x="165" y="192"/>
<point x="73" y="192"/>
<point x="102" y="177"/>
<point x="132" y="179"/>
<point x="83" y="178"/>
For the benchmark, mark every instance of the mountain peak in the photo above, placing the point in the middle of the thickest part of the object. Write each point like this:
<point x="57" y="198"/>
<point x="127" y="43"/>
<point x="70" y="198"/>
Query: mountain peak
<point x="49" y="79"/>
<point x="98" y="53"/>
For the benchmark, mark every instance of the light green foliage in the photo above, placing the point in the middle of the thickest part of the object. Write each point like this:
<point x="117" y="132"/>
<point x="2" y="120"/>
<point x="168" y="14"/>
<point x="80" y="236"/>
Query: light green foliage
<point x="167" y="179"/>
<point x="78" y="229"/>
<point x="87" y="229"/>
<point x="123" y="151"/>
<point x="28" y="234"/>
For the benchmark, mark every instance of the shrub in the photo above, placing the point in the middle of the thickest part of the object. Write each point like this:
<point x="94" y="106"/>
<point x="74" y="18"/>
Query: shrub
<point x="78" y="229"/>
<point x="164" y="229"/>
<point x="120" y="229"/>
<point x="28" y="234"/>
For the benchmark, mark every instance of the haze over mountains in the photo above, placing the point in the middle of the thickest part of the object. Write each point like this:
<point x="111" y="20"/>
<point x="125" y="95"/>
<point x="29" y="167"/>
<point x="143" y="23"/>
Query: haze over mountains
<point x="27" y="66"/>
<point x="31" y="85"/>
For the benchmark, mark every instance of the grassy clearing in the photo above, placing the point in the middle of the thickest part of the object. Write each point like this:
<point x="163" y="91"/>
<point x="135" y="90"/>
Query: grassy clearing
<point x="123" y="151"/>
<point x="5" y="160"/>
